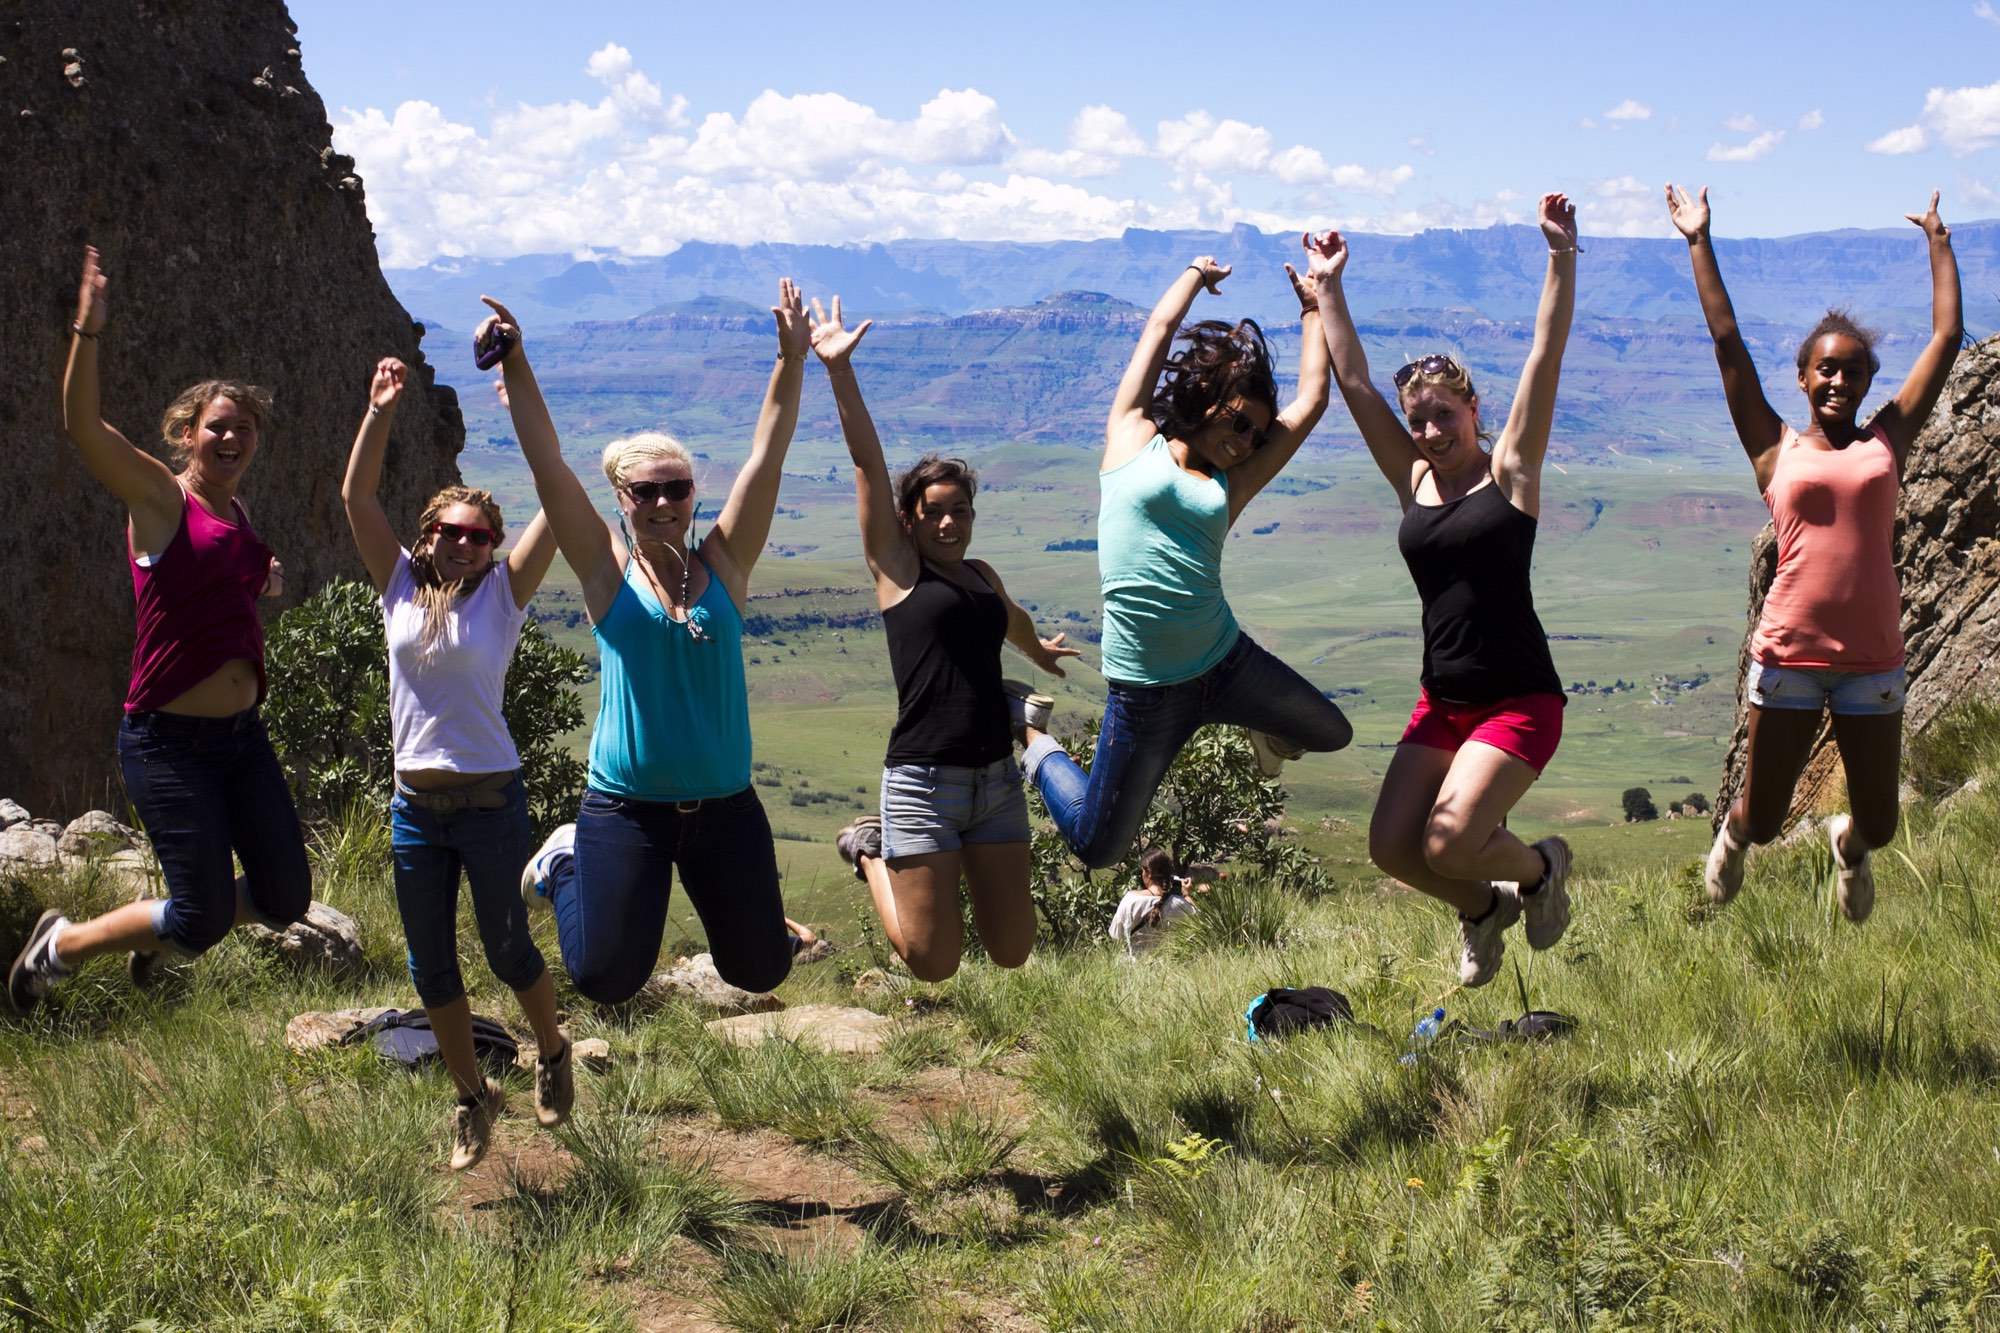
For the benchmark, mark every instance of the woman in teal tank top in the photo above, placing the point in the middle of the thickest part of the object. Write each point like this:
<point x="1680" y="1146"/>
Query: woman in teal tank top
<point x="1192" y="437"/>
<point x="670" y="754"/>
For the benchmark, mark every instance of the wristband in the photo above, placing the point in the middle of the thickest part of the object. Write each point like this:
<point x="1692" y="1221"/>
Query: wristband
<point x="78" y="330"/>
<point x="1572" y="250"/>
<point x="374" y="410"/>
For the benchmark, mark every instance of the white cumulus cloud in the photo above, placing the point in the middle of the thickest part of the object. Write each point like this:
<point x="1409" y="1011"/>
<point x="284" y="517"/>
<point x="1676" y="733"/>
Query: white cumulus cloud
<point x="1741" y="124"/>
<point x="1812" y="119"/>
<point x="1629" y="109"/>
<point x="1755" y="149"/>
<point x="1965" y="120"/>
<point x="1909" y="139"/>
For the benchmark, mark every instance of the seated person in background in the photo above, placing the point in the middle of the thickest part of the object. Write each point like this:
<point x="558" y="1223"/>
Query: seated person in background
<point x="1159" y="901"/>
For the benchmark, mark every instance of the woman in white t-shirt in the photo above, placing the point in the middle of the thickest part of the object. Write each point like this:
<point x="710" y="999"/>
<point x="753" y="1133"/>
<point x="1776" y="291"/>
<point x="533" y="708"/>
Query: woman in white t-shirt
<point x="453" y="613"/>
<point x="1160" y="900"/>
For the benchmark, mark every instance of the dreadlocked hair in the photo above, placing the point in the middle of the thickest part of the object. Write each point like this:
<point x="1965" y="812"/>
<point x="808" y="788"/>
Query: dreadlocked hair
<point x="1220" y="361"/>
<point x="436" y="595"/>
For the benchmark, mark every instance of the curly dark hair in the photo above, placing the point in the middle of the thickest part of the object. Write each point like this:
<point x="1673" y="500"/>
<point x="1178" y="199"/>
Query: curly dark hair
<point x="1220" y="361"/>
<point x="928" y="471"/>
<point x="1840" y="321"/>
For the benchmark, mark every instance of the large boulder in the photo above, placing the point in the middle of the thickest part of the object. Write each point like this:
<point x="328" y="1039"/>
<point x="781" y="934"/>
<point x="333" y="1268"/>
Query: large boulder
<point x="828" y="1027"/>
<point x="326" y="940"/>
<point x="96" y="833"/>
<point x="1948" y="554"/>
<point x="696" y="979"/>
<point x="23" y="845"/>
<point x="182" y="139"/>
<point x="12" y="813"/>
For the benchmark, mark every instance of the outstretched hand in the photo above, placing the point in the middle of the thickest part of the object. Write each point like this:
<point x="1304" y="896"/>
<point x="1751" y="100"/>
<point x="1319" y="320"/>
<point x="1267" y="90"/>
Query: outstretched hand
<point x="830" y="339"/>
<point x="1052" y="649"/>
<point x="503" y="323"/>
<point x="1558" y="218"/>
<point x="1932" y="224"/>
<point x="93" y="299"/>
<point x="274" y="579"/>
<point x="794" y="329"/>
<point x="1210" y="272"/>
<point x="1690" y="215"/>
<point x="386" y="389"/>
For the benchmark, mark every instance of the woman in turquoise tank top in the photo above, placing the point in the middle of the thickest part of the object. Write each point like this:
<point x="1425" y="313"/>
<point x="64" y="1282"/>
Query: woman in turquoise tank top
<point x="1192" y="437"/>
<point x="670" y="754"/>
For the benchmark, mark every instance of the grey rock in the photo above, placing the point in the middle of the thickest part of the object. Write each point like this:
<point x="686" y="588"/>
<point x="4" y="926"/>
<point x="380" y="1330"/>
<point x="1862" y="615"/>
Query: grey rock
<point x="696" y="979"/>
<point x="828" y="1027"/>
<point x="25" y="845"/>
<point x="317" y="1029"/>
<point x="96" y="831"/>
<point x="591" y="1053"/>
<point x="327" y="939"/>
<point x="1971" y="787"/>
<point x="817" y="952"/>
<point x="11" y="813"/>
<point x="53" y="828"/>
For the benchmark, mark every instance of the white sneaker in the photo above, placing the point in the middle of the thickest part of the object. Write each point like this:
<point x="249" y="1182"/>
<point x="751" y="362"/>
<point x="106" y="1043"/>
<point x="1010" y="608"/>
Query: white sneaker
<point x="1480" y="945"/>
<point x="1724" y="873"/>
<point x="1854" y="885"/>
<point x="1545" y="912"/>
<point x="35" y="968"/>
<point x="1026" y="708"/>
<point x="535" y="875"/>
<point x="1271" y="752"/>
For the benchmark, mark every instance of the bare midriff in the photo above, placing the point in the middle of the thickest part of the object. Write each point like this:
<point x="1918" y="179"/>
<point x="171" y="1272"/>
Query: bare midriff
<point x="439" y="779"/>
<point x="229" y="689"/>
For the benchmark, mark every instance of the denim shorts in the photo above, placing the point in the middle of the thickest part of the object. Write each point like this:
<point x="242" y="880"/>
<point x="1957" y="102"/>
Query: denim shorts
<point x="940" y="807"/>
<point x="1848" y="693"/>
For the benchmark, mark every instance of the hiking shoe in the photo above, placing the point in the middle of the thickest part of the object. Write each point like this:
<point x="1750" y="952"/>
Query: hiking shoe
<point x="472" y="1123"/>
<point x="1545" y="912"/>
<point x="1271" y="752"/>
<point x="35" y="968"/>
<point x="1723" y="875"/>
<point x="535" y="875"/>
<point x="861" y="838"/>
<point x="145" y="968"/>
<point x="1026" y="708"/>
<point x="1854" y="885"/>
<point x="555" y="1087"/>
<point x="1479" y="941"/>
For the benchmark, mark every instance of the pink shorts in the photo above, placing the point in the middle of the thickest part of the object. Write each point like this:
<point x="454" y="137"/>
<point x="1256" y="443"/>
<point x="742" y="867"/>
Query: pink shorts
<point x="1527" y="726"/>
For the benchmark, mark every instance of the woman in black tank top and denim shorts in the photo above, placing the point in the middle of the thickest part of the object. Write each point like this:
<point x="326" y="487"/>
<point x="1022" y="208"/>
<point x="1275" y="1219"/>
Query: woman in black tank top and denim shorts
<point x="1490" y="712"/>
<point x="952" y="803"/>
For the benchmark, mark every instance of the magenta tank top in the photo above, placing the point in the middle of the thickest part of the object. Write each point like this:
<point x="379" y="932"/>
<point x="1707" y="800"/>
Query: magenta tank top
<point x="197" y="606"/>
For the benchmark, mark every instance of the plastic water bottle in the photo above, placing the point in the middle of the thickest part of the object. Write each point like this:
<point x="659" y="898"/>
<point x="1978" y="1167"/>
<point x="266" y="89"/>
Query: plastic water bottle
<point x="1423" y="1034"/>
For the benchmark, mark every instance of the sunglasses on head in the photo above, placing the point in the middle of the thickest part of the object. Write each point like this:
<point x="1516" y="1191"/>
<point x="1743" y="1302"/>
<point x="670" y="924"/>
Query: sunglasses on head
<point x="1425" y="365"/>
<point x="680" y="488"/>
<point x="455" y="532"/>
<point x="1241" y="423"/>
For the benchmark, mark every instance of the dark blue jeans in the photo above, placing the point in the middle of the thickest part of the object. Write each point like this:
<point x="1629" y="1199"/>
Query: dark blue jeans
<point x="610" y="899"/>
<point x="206" y="787"/>
<point x="490" y="846"/>
<point x="1144" y="728"/>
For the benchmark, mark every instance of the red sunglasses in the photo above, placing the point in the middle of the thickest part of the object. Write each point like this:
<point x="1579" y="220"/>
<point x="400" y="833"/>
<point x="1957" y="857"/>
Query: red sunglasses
<point x="454" y="532"/>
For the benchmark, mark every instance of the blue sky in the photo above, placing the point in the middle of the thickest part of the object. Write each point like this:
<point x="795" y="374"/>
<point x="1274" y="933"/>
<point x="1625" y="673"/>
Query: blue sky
<point x="512" y="128"/>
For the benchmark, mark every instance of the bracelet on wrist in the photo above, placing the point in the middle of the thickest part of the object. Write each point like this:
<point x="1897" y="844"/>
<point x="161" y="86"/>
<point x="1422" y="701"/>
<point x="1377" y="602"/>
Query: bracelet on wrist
<point x="80" y="331"/>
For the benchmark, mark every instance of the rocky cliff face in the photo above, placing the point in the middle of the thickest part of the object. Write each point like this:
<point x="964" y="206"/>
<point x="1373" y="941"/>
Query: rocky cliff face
<point x="181" y="138"/>
<point x="1948" y="550"/>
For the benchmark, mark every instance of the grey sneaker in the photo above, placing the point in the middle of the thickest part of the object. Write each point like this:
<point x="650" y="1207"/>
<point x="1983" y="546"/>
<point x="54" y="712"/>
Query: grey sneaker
<point x="35" y="968"/>
<point x="472" y="1125"/>
<point x="861" y="838"/>
<point x="1545" y="912"/>
<point x="1854" y="885"/>
<point x="1723" y="875"/>
<point x="1026" y="708"/>
<point x="1271" y="752"/>
<point x="535" y="875"/>
<point x="555" y="1087"/>
<point x="1480" y="945"/>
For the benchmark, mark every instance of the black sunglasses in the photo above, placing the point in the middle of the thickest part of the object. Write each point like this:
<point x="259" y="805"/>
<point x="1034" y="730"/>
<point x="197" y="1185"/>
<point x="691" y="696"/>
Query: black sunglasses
<point x="453" y="532"/>
<point x="1427" y="365"/>
<point x="1241" y="423"/>
<point x="680" y="488"/>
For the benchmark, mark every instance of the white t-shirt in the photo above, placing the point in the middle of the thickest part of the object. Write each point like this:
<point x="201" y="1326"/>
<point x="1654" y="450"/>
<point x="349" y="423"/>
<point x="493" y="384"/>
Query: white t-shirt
<point x="1135" y="905"/>
<point x="445" y="708"/>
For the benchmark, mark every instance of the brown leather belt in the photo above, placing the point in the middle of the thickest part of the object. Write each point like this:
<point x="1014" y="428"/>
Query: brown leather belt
<point x="484" y="794"/>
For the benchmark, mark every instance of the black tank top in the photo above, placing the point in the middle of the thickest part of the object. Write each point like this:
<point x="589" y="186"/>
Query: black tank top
<point x="944" y="648"/>
<point x="1470" y="559"/>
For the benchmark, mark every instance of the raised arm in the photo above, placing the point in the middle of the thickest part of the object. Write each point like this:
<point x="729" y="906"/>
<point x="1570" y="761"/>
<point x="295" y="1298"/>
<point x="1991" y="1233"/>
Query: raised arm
<point x="1904" y="415"/>
<point x="1022" y="635"/>
<point x="891" y="559"/>
<point x="745" y="521"/>
<point x="1524" y="440"/>
<point x="1296" y="422"/>
<point x="579" y="530"/>
<point x="1757" y="425"/>
<point x="1128" y="428"/>
<point x="528" y="563"/>
<point x="1381" y="425"/>
<point x="374" y="535"/>
<point x="143" y="482"/>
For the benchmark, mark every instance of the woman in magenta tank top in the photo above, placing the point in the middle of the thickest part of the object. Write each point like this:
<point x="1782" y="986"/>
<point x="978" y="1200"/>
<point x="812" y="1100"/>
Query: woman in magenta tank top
<point x="1830" y="636"/>
<point x="197" y="764"/>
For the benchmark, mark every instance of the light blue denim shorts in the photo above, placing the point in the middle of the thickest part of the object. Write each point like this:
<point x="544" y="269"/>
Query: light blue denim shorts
<point x="941" y="807"/>
<point x="1848" y="693"/>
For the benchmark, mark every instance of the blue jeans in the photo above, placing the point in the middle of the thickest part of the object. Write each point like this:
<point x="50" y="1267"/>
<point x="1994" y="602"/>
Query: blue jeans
<point x="610" y="898"/>
<point x="1144" y="728"/>
<point x="930" y="808"/>
<point x="206" y="787"/>
<point x="490" y="846"/>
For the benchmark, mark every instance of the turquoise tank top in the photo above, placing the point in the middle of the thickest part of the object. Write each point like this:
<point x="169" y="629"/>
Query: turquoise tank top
<point x="673" y="712"/>
<point x="1160" y="532"/>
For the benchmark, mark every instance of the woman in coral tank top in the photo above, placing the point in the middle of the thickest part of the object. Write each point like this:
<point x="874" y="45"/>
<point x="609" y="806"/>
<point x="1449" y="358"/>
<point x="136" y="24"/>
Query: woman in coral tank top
<point x="1830" y="636"/>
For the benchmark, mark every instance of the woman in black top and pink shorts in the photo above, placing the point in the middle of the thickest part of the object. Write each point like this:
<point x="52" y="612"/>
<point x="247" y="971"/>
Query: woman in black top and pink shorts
<point x="952" y="804"/>
<point x="1490" y="714"/>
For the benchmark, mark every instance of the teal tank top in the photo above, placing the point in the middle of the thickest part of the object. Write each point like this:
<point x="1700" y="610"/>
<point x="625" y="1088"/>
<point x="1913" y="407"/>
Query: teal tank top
<point x="1160" y="532"/>
<point x="673" y="713"/>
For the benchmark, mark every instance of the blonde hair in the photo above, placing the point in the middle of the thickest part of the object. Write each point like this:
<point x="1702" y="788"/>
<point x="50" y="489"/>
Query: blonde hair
<point x="184" y="413"/>
<point x="436" y="595"/>
<point x="1452" y="377"/>
<point x="621" y="456"/>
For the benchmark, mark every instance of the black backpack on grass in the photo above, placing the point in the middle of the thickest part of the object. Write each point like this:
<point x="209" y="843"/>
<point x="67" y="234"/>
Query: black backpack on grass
<point x="1281" y="1011"/>
<point x="404" y="1037"/>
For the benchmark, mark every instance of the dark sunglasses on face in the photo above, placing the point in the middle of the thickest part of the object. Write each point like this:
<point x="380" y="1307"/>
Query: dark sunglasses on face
<point x="453" y="532"/>
<point x="1241" y="424"/>
<point x="1427" y="365"/>
<point x="645" y="492"/>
